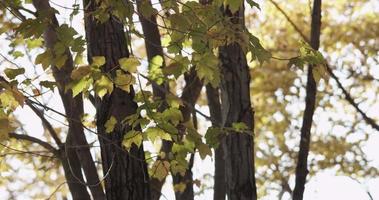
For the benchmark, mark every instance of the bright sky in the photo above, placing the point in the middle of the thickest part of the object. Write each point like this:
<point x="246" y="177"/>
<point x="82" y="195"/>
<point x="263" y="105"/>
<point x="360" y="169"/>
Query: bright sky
<point x="324" y="186"/>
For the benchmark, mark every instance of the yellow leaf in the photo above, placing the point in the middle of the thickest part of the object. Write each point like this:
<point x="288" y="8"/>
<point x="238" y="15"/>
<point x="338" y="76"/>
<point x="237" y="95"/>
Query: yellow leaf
<point x="124" y="80"/>
<point x="98" y="60"/>
<point x="80" y="72"/>
<point x="129" y="64"/>
<point x="180" y="187"/>
<point x="160" y="169"/>
<point x="103" y="86"/>
<point x="110" y="124"/>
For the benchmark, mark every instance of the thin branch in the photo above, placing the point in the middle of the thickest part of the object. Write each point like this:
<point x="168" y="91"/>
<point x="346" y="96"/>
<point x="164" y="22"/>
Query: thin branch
<point x="44" y="144"/>
<point x="348" y="97"/>
<point x="26" y="152"/>
<point x="305" y="38"/>
<point x="38" y="112"/>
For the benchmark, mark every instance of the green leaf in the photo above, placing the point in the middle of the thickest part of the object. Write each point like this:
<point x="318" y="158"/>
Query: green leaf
<point x="207" y="68"/>
<point x="17" y="54"/>
<point x="155" y="69"/>
<point x="110" y="124"/>
<point x="204" y="150"/>
<point x="154" y="132"/>
<point x="34" y="43"/>
<point x="213" y="137"/>
<point x="80" y="85"/>
<point x="240" y="126"/>
<point x="45" y="59"/>
<point x="252" y="3"/>
<point x="60" y="61"/>
<point x="173" y="101"/>
<point x="12" y="73"/>
<point x="172" y="114"/>
<point x="48" y="84"/>
<point x="129" y="64"/>
<point x="178" y="67"/>
<point x="65" y="34"/>
<point x="132" y="137"/>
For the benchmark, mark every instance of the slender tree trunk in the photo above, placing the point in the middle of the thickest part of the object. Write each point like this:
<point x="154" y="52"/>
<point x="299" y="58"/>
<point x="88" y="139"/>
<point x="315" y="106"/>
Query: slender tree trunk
<point x="73" y="106"/>
<point x="154" y="48"/>
<point x="219" y="191"/>
<point x="190" y="95"/>
<point x="310" y="103"/>
<point x="236" y="107"/>
<point x="126" y="173"/>
<point x="73" y="173"/>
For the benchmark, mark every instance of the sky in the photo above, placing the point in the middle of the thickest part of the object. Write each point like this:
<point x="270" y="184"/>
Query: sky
<point x="324" y="186"/>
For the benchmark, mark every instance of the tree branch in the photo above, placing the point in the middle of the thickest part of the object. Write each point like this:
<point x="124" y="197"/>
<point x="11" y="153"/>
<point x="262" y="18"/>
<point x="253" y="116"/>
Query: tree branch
<point x="44" y="144"/>
<point x="310" y="104"/>
<point x="348" y="97"/>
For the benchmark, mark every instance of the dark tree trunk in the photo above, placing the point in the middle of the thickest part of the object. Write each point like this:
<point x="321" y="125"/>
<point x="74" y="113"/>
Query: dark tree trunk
<point x="126" y="173"/>
<point x="310" y="103"/>
<point x="219" y="189"/>
<point x="154" y="48"/>
<point x="73" y="107"/>
<point x="73" y="172"/>
<point x="236" y="107"/>
<point x="190" y="95"/>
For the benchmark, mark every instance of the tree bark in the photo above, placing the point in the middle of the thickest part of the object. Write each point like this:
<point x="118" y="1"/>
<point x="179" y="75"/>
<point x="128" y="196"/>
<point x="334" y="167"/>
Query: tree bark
<point x="310" y="103"/>
<point x="154" y="48"/>
<point x="73" y="106"/>
<point x="126" y="173"/>
<point x="236" y="107"/>
<point x="219" y="189"/>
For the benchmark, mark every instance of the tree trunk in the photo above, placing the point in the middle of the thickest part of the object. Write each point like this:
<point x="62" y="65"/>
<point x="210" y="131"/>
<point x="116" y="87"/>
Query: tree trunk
<point x="236" y="107"/>
<point x="190" y="95"/>
<point x="73" y="106"/>
<point x="219" y="189"/>
<point x="154" y="48"/>
<point x="310" y="103"/>
<point x="73" y="173"/>
<point x="126" y="172"/>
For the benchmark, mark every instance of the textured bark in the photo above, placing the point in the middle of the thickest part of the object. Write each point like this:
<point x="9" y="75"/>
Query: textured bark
<point x="219" y="189"/>
<point x="73" y="107"/>
<point x="154" y="48"/>
<point x="236" y="107"/>
<point x="310" y="103"/>
<point x="126" y="173"/>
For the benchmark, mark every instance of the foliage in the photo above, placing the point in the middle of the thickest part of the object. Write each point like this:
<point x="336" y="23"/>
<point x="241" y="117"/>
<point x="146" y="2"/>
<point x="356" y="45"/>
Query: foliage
<point x="192" y="34"/>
